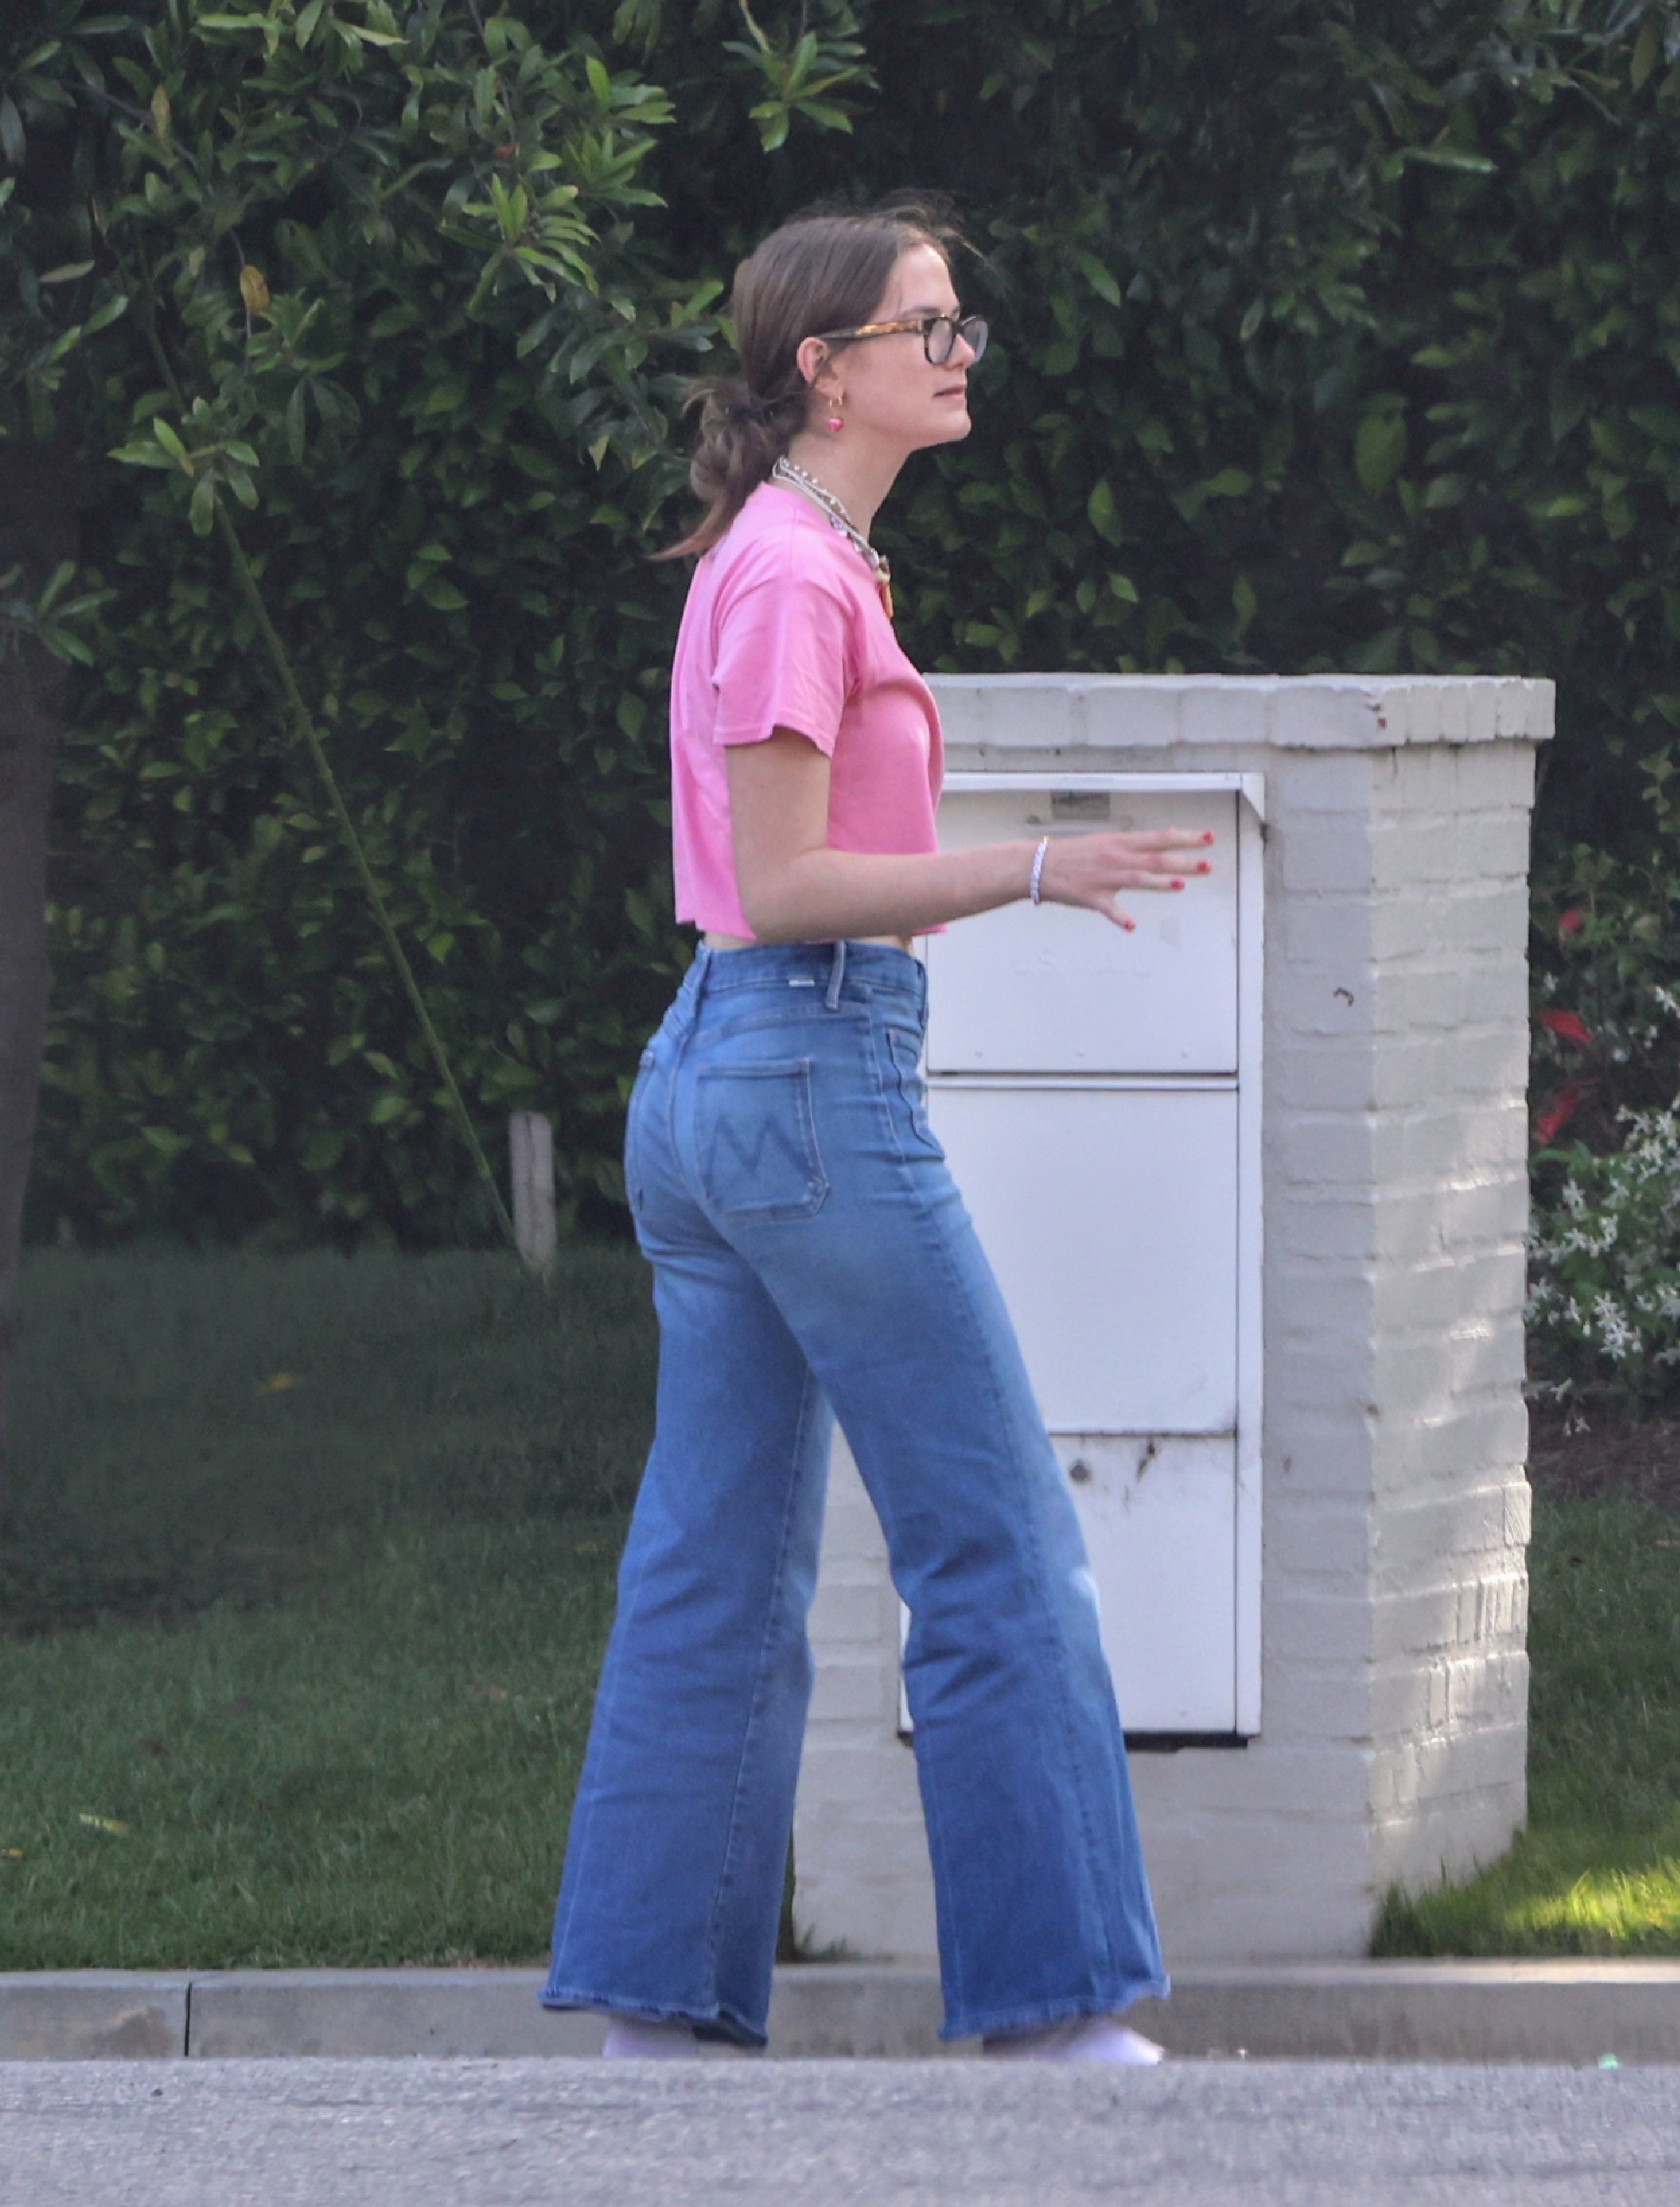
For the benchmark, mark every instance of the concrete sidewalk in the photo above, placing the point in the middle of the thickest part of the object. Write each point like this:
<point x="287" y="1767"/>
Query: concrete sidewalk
<point x="1573" y="2012"/>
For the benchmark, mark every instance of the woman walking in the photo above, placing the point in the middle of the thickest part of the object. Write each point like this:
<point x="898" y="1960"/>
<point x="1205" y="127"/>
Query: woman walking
<point x="812" y="1258"/>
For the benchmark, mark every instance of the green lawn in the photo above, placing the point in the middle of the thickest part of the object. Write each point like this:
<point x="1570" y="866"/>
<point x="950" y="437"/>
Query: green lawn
<point x="314" y="1576"/>
<point x="298" y="1643"/>
<point x="1598" y="1869"/>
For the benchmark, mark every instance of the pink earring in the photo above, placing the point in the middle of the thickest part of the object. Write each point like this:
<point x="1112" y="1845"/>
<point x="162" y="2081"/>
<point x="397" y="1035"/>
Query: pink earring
<point x="835" y="425"/>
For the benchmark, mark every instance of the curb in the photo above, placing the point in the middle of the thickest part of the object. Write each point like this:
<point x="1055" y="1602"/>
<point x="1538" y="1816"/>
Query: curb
<point x="1565" y="2011"/>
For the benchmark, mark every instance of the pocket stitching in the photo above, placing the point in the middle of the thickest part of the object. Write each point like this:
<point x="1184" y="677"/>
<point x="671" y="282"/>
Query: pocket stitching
<point x="908" y="1079"/>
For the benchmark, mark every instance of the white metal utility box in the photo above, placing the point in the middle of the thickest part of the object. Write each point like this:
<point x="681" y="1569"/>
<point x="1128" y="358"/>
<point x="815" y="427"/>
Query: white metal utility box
<point x="1100" y="1097"/>
<point x="1097" y="1095"/>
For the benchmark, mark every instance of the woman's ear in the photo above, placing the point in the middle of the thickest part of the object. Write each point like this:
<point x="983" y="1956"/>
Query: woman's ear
<point x="817" y="364"/>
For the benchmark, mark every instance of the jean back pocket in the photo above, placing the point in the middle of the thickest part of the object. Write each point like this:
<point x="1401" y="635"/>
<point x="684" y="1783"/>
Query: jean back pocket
<point x="757" y="1150"/>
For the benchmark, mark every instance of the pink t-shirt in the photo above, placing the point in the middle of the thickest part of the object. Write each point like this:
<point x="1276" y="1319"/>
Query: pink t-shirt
<point x="784" y="628"/>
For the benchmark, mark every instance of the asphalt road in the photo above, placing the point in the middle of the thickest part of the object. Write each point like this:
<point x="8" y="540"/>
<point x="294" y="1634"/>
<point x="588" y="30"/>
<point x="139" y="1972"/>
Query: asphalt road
<point x="351" y="2133"/>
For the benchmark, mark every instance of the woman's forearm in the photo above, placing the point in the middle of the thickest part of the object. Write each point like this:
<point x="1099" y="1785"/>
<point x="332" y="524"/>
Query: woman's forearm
<point x="820" y="895"/>
<point x="794" y="889"/>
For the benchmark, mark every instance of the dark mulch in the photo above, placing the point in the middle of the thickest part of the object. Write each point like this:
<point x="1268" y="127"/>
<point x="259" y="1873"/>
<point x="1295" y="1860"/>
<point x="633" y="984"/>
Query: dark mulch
<point x="1609" y="1454"/>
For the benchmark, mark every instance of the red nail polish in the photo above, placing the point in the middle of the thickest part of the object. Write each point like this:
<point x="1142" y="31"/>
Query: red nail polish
<point x="1178" y="885"/>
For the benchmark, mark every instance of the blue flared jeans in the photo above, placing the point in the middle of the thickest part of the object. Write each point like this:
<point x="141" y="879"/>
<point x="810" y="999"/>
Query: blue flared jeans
<point x="812" y="1259"/>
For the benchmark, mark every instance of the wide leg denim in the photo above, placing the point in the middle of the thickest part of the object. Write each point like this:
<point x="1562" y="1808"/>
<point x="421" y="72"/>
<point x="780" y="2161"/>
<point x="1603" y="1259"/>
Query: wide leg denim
<point x="810" y="1249"/>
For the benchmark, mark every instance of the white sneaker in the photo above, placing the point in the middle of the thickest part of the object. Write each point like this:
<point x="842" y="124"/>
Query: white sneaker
<point x="630" y="2038"/>
<point x="1078" y="2038"/>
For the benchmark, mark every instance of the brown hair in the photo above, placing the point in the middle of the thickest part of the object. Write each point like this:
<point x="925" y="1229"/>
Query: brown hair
<point x="825" y="270"/>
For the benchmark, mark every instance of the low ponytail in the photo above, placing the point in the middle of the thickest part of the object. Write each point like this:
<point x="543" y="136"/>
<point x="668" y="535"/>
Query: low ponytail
<point x="741" y="439"/>
<point x="820" y="272"/>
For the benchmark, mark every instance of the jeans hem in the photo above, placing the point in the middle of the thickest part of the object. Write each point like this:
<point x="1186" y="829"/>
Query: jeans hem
<point x="713" y="2022"/>
<point x="1043" y="2014"/>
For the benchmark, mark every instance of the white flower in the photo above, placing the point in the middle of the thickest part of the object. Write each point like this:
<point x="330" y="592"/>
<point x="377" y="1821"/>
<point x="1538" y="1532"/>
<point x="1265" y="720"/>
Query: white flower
<point x="1619" y="1339"/>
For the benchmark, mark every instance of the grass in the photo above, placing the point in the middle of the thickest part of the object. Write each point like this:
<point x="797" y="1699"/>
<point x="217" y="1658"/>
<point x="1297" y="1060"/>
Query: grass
<point x="192" y="1429"/>
<point x="314" y="1575"/>
<point x="1598" y="1869"/>
<point x="298" y="1640"/>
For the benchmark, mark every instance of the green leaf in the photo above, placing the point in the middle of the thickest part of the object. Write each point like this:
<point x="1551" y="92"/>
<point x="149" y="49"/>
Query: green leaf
<point x="294" y="422"/>
<point x="106" y="313"/>
<point x="1244" y="605"/>
<point x="1102" y="512"/>
<point x="1229" y="482"/>
<point x="1379" y="451"/>
<point x="1099" y="278"/>
<point x="1452" y="156"/>
<point x="13" y="142"/>
<point x="142" y="456"/>
<point x="58" y="583"/>
<point x="1647" y="49"/>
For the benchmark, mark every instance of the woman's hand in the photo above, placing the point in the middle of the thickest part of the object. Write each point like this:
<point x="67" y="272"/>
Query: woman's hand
<point x="1093" y="870"/>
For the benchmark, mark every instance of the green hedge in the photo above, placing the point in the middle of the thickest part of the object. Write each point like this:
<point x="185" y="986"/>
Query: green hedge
<point x="1335" y="335"/>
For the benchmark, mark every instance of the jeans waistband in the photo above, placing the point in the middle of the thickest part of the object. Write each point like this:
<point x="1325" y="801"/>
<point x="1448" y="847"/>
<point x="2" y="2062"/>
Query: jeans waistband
<point x="843" y="972"/>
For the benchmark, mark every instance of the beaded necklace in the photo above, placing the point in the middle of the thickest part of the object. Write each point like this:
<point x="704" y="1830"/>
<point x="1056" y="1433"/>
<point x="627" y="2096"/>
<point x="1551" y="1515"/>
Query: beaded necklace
<point x="823" y="498"/>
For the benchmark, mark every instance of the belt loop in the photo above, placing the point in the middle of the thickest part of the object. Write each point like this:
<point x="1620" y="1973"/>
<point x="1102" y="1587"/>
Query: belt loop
<point x="836" y="976"/>
<point x="701" y="968"/>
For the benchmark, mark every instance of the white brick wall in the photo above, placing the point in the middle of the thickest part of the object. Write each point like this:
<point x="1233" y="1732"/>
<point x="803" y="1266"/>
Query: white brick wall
<point x="1393" y="1593"/>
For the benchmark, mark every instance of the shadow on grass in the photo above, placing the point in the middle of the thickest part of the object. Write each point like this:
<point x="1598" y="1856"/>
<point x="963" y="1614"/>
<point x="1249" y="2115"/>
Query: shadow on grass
<point x="192" y="1429"/>
<point x="314" y="1575"/>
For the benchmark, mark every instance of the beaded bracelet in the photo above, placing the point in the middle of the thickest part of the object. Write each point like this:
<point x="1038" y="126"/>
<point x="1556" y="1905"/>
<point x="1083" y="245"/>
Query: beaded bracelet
<point x="1036" y="886"/>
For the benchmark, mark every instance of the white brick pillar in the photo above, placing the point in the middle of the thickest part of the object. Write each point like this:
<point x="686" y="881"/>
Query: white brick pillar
<point x="1395" y="1195"/>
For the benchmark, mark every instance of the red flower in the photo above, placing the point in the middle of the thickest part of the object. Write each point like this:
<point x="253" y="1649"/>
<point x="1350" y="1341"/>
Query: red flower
<point x="1558" y="1114"/>
<point x="1569" y="921"/>
<point x="1568" y="1027"/>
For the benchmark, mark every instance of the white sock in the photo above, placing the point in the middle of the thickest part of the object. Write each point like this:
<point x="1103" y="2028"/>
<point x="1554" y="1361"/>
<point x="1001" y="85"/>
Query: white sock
<point x="630" y="2038"/>
<point x="1078" y="2038"/>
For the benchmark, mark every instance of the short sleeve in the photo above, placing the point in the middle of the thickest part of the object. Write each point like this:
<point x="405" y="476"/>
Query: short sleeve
<point x="785" y="659"/>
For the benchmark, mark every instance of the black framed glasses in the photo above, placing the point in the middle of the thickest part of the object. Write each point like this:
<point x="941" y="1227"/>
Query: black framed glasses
<point x="938" y="333"/>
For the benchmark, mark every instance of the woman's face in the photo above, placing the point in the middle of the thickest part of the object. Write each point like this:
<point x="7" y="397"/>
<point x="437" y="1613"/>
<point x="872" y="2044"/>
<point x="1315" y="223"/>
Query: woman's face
<point x="886" y="387"/>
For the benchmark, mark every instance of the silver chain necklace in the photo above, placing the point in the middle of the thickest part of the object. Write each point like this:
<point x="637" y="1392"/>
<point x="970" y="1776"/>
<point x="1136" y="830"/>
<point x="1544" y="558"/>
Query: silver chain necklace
<point x="823" y="498"/>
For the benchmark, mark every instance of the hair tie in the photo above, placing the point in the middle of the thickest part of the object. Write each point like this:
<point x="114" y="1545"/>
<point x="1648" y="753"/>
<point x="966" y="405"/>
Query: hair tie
<point x="749" y="410"/>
